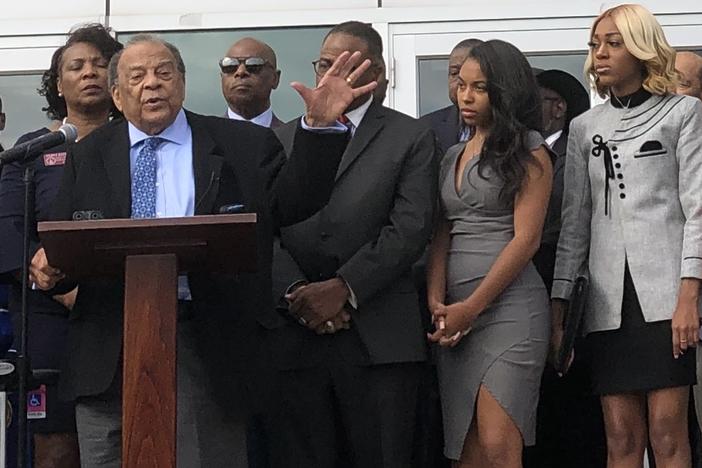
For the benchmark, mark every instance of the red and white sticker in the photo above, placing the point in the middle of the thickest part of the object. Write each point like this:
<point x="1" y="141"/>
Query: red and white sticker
<point x="55" y="159"/>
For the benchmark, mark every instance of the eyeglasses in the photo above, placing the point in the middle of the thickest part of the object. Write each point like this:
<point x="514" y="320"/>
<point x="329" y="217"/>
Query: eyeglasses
<point x="321" y="66"/>
<point x="253" y="65"/>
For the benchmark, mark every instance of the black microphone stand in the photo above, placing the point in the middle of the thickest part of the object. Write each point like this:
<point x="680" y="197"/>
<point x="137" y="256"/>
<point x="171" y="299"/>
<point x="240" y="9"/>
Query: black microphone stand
<point x="23" y="362"/>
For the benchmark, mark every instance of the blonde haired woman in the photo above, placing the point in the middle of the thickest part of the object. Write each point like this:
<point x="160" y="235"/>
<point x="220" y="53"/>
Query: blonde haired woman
<point x="632" y="218"/>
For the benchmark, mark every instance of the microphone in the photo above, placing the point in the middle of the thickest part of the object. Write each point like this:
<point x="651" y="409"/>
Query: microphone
<point x="32" y="148"/>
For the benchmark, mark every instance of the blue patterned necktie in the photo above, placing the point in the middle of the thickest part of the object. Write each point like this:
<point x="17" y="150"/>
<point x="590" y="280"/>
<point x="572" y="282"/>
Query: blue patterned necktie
<point x="144" y="180"/>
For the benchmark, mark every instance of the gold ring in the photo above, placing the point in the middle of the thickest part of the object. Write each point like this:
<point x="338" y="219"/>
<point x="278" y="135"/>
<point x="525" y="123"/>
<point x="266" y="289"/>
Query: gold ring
<point x="348" y="80"/>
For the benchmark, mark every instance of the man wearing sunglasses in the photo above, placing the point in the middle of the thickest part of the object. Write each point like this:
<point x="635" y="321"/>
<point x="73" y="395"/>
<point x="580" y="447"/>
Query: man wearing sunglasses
<point x="249" y="75"/>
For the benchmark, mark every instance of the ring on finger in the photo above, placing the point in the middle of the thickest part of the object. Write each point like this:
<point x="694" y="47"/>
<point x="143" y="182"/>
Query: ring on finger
<point x="329" y="326"/>
<point x="302" y="320"/>
<point x="349" y="80"/>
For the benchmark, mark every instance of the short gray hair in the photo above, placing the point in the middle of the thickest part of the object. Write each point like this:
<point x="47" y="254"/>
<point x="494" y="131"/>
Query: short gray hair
<point x="112" y="76"/>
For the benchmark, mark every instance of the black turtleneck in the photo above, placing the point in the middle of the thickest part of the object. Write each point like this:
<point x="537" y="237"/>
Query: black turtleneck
<point x="630" y="100"/>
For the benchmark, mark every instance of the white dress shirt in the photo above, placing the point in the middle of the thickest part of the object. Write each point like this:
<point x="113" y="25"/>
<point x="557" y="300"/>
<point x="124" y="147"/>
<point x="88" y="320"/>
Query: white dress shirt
<point x="264" y="119"/>
<point x="175" y="182"/>
<point x="551" y="139"/>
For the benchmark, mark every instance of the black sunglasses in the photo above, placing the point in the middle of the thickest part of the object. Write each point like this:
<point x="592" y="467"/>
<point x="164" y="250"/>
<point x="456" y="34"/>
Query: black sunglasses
<point x="253" y="64"/>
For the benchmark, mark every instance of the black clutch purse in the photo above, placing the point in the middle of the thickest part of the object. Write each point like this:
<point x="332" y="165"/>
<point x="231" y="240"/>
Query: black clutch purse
<point x="572" y="323"/>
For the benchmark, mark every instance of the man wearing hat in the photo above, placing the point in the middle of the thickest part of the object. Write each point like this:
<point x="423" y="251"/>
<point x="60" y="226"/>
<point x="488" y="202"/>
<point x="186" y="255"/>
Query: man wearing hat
<point x="563" y="98"/>
<point x="569" y="423"/>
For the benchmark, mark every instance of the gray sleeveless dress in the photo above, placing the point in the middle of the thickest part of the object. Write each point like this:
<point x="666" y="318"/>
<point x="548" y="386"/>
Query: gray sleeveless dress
<point x="506" y="348"/>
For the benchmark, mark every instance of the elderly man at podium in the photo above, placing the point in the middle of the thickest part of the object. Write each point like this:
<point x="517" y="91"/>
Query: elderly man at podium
<point x="164" y="161"/>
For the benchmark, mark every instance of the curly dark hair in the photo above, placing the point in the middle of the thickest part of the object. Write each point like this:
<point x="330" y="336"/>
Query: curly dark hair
<point x="96" y="35"/>
<point x="516" y="109"/>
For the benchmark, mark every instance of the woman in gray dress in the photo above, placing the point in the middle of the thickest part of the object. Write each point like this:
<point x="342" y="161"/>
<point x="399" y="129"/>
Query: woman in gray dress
<point x="488" y="302"/>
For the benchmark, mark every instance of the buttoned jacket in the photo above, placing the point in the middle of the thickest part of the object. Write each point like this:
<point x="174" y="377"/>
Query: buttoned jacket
<point x="633" y="193"/>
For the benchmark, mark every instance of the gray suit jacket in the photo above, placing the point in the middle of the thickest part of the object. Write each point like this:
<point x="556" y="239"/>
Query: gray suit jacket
<point x="647" y="213"/>
<point x="375" y="226"/>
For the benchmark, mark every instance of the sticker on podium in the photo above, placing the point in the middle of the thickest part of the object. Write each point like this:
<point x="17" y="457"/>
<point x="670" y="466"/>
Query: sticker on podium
<point x="36" y="403"/>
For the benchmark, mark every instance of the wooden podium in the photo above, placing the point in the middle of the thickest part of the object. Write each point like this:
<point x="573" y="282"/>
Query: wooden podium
<point x="150" y="253"/>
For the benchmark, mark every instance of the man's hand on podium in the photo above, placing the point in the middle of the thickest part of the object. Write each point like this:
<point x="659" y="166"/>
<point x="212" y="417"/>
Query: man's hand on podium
<point x="41" y="274"/>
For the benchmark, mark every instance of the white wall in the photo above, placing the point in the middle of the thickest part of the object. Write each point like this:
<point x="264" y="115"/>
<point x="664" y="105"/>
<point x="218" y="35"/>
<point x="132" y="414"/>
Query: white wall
<point x="34" y="17"/>
<point x="129" y="7"/>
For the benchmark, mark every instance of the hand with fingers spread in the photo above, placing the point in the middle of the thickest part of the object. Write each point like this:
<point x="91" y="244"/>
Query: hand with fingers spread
<point x="335" y="90"/>
<point x="43" y="275"/>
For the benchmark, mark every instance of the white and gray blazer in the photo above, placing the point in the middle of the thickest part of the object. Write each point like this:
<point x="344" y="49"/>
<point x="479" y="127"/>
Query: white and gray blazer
<point x="633" y="193"/>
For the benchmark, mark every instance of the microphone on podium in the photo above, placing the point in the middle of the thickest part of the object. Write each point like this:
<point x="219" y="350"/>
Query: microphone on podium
<point x="23" y="152"/>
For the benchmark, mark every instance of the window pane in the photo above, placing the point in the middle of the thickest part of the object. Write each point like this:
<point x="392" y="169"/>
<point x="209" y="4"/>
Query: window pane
<point x="295" y="49"/>
<point x="433" y="87"/>
<point x="433" y="84"/>
<point x="22" y="106"/>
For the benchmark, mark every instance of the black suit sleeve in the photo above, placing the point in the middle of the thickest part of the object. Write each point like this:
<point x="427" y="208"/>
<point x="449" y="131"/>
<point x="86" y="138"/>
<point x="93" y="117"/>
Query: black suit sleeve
<point x="301" y="185"/>
<point x="400" y="242"/>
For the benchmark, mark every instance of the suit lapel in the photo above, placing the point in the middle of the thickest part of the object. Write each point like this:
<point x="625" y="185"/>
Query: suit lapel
<point x="276" y="122"/>
<point x="207" y="166"/>
<point x="371" y="124"/>
<point x="117" y="165"/>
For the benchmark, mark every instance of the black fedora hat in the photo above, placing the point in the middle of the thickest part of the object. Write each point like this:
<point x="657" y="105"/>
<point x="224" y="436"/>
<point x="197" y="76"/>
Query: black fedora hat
<point x="569" y="88"/>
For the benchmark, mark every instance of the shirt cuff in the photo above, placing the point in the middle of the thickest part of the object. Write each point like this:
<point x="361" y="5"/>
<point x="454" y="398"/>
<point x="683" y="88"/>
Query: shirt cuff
<point x="337" y="128"/>
<point x="561" y="289"/>
<point x="290" y="289"/>
<point x="691" y="268"/>
<point x="352" y="300"/>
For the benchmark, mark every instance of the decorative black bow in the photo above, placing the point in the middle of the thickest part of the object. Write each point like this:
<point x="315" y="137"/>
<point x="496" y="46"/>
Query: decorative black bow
<point x="600" y="148"/>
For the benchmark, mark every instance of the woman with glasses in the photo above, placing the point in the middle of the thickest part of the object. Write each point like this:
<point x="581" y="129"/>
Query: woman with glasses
<point x="632" y="219"/>
<point x="488" y="302"/>
<point x="76" y="91"/>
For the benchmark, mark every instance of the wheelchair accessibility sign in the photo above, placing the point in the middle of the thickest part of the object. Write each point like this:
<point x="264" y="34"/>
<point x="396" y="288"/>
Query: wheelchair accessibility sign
<point x="36" y="403"/>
